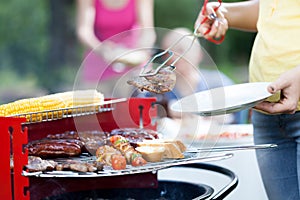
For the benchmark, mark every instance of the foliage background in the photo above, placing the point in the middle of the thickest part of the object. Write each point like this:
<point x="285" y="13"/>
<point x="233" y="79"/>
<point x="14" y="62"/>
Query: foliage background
<point x="40" y="54"/>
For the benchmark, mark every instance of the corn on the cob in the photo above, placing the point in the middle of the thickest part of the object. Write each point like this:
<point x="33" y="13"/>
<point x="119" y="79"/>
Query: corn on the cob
<point x="51" y="102"/>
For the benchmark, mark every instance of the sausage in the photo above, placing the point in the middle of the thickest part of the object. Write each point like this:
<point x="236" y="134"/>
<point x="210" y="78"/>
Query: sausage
<point x="54" y="148"/>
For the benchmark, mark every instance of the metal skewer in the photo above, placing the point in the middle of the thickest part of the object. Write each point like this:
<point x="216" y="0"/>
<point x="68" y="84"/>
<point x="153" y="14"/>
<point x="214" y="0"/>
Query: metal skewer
<point x="231" y="148"/>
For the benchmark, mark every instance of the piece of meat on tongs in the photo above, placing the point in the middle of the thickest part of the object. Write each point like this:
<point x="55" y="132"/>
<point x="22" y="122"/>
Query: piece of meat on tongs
<point x="163" y="81"/>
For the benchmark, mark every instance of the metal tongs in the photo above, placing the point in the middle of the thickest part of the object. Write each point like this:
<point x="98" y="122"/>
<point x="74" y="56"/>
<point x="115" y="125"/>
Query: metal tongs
<point x="211" y="17"/>
<point x="168" y="51"/>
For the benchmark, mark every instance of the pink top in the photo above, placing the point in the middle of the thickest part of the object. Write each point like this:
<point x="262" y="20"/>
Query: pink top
<point x="108" y="24"/>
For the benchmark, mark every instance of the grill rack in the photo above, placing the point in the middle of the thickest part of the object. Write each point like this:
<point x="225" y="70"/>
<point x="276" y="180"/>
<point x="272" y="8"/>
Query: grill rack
<point x="191" y="158"/>
<point x="56" y="114"/>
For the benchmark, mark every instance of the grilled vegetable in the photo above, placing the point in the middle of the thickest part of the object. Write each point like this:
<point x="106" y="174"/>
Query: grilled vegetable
<point x="111" y="156"/>
<point x="104" y="154"/>
<point x="138" y="161"/>
<point x="131" y="155"/>
<point x="51" y="102"/>
<point x="118" y="162"/>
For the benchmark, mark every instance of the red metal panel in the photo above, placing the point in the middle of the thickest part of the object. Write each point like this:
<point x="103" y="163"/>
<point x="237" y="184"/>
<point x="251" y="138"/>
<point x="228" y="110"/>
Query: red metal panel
<point x="127" y="114"/>
<point x="21" y="183"/>
<point x="46" y="187"/>
<point x="11" y="127"/>
<point x="5" y="176"/>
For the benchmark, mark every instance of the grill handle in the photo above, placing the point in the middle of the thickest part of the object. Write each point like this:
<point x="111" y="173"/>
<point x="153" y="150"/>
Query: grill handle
<point x="221" y="170"/>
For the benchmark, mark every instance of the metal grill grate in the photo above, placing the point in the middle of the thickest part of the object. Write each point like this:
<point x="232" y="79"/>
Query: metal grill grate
<point x="149" y="167"/>
<point x="50" y="115"/>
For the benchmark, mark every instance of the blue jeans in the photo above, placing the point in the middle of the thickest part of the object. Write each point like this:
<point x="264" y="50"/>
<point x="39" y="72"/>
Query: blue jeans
<point x="279" y="167"/>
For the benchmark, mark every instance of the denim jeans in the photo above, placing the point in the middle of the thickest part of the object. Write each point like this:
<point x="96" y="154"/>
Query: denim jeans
<point x="279" y="167"/>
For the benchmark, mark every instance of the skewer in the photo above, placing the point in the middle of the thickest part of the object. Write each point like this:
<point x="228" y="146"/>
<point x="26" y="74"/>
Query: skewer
<point x="231" y="148"/>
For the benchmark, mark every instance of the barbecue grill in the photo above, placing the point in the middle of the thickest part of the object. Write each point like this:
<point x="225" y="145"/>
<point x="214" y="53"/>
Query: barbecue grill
<point x="133" y="112"/>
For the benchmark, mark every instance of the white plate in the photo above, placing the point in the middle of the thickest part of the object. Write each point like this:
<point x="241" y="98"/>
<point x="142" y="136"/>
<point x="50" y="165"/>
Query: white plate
<point x="223" y="100"/>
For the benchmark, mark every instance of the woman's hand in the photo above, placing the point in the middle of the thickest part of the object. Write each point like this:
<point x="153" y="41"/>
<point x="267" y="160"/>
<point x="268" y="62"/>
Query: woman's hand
<point x="289" y="85"/>
<point x="114" y="53"/>
<point x="134" y="58"/>
<point x="216" y="25"/>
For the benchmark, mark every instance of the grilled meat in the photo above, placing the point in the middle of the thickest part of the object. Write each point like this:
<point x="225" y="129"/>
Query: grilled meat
<point x="163" y="81"/>
<point x="54" y="148"/>
<point x="79" y="166"/>
<point x="36" y="164"/>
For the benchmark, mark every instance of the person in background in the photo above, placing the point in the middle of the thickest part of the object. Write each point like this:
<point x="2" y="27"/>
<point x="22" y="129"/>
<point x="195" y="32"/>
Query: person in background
<point x="116" y="35"/>
<point x="190" y="79"/>
<point x="275" y="58"/>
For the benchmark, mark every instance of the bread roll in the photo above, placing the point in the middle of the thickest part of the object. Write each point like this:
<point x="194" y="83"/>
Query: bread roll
<point x="173" y="149"/>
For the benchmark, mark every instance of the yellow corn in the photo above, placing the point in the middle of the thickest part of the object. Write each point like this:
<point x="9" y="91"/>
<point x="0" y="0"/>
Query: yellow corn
<point x="51" y="102"/>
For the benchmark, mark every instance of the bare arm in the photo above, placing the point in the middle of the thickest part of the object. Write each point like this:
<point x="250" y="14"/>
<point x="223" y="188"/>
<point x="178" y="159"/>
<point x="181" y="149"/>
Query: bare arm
<point x="145" y="10"/>
<point x="239" y="15"/>
<point x="145" y="13"/>
<point x="242" y="15"/>
<point x="85" y="24"/>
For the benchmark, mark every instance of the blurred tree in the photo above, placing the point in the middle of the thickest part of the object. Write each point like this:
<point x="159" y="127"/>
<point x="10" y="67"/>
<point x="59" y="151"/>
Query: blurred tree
<point x="23" y="44"/>
<point x="23" y="39"/>
<point x="176" y="13"/>
<point x="37" y="39"/>
<point x="63" y="46"/>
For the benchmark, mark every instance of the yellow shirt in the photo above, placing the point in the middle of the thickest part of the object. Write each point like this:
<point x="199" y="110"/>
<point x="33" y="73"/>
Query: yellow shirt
<point x="277" y="45"/>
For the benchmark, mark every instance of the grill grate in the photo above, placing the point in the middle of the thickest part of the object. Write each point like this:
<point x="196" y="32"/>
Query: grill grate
<point x="50" y="115"/>
<point x="190" y="158"/>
